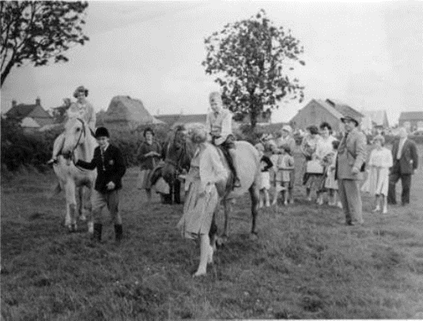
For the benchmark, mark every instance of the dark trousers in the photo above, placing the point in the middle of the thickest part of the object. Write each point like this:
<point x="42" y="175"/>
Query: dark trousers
<point x="405" y="182"/>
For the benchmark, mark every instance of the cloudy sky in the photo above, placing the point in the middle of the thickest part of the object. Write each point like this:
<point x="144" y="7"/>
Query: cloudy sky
<point x="367" y="54"/>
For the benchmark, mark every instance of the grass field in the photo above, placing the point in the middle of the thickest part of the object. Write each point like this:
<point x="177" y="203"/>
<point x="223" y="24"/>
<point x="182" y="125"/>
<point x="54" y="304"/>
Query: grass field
<point x="305" y="263"/>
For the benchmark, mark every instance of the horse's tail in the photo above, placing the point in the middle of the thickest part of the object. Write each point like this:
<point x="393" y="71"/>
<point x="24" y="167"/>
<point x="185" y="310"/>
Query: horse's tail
<point x="55" y="190"/>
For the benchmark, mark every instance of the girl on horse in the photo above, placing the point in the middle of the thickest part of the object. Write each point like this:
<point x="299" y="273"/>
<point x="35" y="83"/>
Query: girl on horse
<point x="80" y="109"/>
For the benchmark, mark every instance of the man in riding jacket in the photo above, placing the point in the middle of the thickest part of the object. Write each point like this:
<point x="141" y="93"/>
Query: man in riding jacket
<point x="219" y="126"/>
<point x="111" y="167"/>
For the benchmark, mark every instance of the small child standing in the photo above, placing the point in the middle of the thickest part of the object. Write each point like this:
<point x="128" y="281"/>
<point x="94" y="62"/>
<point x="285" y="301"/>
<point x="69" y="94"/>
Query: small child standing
<point x="286" y="166"/>
<point x="265" y="165"/>
<point x="330" y="183"/>
<point x="379" y="162"/>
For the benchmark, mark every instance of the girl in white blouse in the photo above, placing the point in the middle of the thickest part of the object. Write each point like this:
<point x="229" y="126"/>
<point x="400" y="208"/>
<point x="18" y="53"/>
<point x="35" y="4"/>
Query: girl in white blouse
<point x="380" y="161"/>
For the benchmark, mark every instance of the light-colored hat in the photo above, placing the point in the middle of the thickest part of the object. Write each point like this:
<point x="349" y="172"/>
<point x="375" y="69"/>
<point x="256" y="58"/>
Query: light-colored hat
<point x="350" y="118"/>
<point x="287" y="128"/>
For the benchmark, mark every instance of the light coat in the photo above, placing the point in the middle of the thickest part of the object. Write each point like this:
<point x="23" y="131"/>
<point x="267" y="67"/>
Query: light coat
<point x="351" y="153"/>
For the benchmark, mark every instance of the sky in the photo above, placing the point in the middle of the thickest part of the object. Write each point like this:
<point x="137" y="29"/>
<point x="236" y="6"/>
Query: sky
<point x="367" y="54"/>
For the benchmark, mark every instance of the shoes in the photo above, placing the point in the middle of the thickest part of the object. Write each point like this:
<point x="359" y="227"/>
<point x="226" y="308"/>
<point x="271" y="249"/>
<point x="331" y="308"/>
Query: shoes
<point x="52" y="161"/>
<point x="377" y="209"/>
<point x="385" y="210"/>
<point x="267" y="204"/>
<point x="354" y="223"/>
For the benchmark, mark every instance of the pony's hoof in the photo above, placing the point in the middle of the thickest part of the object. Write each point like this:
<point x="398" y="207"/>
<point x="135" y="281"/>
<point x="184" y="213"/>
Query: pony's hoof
<point x="199" y="274"/>
<point x="253" y="236"/>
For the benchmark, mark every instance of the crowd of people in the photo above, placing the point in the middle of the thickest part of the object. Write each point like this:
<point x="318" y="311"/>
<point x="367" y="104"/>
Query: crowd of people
<point x="330" y="170"/>
<point x="333" y="170"/>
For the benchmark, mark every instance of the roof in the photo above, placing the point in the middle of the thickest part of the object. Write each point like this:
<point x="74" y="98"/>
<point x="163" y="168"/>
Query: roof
<point x="35" y="112"/>
<point x="29" y="122"/>
<point x="378" y="117"/>
<point x="411" y="115"/>
<point x="127" y="109"/>
<point x="344" y="109"/>
<point x="181" y="119"/>
<point x="20" y="111"/>
<point x="329" y="108"/>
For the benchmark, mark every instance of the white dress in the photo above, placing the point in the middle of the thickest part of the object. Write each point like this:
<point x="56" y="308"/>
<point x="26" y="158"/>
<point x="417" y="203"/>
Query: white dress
<point x="380" y="161"/>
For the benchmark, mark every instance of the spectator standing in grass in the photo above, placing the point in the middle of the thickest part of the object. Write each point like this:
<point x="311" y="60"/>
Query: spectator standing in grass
<point x="323" y="148"/>
<point x="351" y="157"/>
<point x="288" y="139"/>
<point x="331" y="184"/>
<point x="265" y="165"/>
<point x="149" y="154"/>
<point x="308" y="149"/>
<point x="380" y="162"/>
<point x="285" y="166"/>
<point x="110" y="165"/>
<point x="405" y="162"/>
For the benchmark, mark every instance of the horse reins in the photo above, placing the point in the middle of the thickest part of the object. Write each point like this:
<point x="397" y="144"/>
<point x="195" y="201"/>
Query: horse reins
<point x="83" y="131"/>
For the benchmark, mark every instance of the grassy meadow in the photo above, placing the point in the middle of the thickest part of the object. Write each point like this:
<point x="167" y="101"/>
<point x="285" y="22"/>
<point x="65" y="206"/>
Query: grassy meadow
<point x="305" y="263"/>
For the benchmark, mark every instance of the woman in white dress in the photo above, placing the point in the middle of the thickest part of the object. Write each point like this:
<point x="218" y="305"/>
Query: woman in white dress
<point x="380" y="161"/>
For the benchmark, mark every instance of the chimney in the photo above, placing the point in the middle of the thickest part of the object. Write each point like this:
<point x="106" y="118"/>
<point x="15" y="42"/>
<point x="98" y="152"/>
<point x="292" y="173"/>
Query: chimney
<point x="38" y="101"/>
<point x="13" y="103"/>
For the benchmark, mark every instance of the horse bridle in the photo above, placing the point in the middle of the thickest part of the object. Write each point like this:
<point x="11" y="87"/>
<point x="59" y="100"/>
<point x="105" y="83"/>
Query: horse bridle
<point x="176" y="163"/>
<point x="83" y="132"/>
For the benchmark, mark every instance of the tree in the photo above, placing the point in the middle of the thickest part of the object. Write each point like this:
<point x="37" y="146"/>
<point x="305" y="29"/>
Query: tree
<point x="38" y="31"/>
<point x="253" y="61"/>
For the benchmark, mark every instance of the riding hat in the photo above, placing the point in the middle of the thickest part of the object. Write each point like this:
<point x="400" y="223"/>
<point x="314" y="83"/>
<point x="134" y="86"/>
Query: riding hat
<point x="350" y="118"/>
<point x="101" y="132"/>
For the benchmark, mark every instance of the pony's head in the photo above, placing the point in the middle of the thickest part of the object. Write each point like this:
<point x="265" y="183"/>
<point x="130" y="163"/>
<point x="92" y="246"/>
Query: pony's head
<point x="75" y="134"/>
<point x="178" y="154"/>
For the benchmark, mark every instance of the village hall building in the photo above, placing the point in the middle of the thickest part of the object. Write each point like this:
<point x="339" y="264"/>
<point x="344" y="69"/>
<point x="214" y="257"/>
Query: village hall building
<point x="329" y="110"/>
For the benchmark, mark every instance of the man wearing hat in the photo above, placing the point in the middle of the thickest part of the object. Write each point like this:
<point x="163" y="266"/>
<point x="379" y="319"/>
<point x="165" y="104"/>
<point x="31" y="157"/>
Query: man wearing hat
<point x="351" y="157"/>
<point x="110" y="166"/>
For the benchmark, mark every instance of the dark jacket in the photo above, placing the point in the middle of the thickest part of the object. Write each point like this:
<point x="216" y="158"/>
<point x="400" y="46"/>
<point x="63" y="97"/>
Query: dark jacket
<point x="409" y="160"/>
<point x="112" y="170"/>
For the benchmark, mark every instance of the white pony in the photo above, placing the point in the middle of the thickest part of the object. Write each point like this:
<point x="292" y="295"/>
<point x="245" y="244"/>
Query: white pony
<point x="81" y="143"/>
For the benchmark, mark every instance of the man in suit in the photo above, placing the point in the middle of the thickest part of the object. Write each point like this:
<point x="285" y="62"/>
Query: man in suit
<point x="351" y="156"/>
<point x="404" y="154"/>
<point x="111" y="167"/>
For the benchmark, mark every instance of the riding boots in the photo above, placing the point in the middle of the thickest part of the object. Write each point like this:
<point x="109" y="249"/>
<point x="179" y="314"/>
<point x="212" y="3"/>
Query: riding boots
<point x="97" y="232"/>
<point x="118" y="233"/>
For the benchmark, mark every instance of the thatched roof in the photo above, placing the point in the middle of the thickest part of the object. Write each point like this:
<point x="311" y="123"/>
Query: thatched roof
<point x="124" y="109"/>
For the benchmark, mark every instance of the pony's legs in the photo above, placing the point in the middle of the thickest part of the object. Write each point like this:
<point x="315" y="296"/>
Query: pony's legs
<point x="70" y="221"/>
<point x="227" y="206"/>
<point x="87" y="211"/>
<point x="255" y="196"/>
<point x="80" y="202"/>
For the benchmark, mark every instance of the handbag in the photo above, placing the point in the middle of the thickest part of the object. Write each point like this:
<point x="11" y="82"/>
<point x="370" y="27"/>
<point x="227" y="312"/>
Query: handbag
<point x="161" y="186"/>
<point x="314" y="167"/>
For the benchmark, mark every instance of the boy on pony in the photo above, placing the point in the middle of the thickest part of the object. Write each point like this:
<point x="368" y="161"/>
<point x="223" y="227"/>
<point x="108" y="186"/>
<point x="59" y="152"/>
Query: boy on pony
<point x="219" y="127"/>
